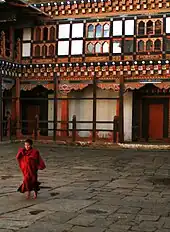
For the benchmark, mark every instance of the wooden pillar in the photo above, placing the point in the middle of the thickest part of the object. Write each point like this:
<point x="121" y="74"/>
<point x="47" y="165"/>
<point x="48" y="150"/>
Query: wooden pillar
<point x="117" y="107"/>
<point x="1" y="110"/>
<point x="94" y="109"/>
<point x="55" y="106"/>
<point x="3" y="46"/>
<point x="121" y="111"/>
<point x="64" y="114"/>
<point x="117" y="114"/>
<point x="12" y="44"/>
<point x="13" y="108"/>
<point x="18" y="113"/>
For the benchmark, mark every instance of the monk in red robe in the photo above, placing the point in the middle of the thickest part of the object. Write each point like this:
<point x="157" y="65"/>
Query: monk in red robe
<point x="30" y="162"/>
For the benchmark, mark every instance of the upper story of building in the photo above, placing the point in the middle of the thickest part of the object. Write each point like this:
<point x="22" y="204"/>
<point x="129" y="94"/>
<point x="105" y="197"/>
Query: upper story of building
<point x="86" y="31"/>
<point x="98" y="30"/>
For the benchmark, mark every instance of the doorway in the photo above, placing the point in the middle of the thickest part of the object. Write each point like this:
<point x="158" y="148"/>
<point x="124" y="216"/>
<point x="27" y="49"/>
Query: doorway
<point x="155" y="118"/>
<point x="156" y="121"/>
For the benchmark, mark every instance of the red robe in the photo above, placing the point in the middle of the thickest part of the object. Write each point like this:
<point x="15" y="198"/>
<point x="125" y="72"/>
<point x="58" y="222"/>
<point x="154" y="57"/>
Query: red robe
<point x="30" y="162"/>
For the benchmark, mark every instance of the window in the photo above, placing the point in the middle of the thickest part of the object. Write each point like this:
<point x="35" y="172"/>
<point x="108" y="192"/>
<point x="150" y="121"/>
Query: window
<point x="44" y="50"/>
<point x="168" y="25"/>
<point x="129" y="27"/>
<point x="106" y="29"/>
<point x="117" y="46"/>
<point x="26" y="34"/>
<point x="128" y="46"/>
<point x="117" y="28"/>
<point x="63" y="48"/>
<point x="26" y="46"/>
<point x="105" y="47"/>
<point x="26" y="49"/>
<point x="149" y="27"/>
<point x="45" y="34"/>
<point x="149" y="46"/>
<point x="141" y="46"/>
<point x="76" y="37"/>
<point x="98" y="47"/>
<point x="158" y="27"/>
<point x="52" y="34"/>
<point x="157" y="45"/>
<point x="64" y="31"/>
<point x="98" y="32"/>
<point x="90" y="48"/>
<point x="37" y="50"/>
<point x="90" y="33"/>
<point x="77" y="47"/>
<point x="141" y="28"/>
<point x="51" y="50"/>
<point x="168" y="44"/>
<point x="77" y="30"/>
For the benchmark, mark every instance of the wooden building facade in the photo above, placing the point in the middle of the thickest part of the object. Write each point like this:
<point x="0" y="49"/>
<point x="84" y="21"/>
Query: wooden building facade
<point x="88" y="65"/>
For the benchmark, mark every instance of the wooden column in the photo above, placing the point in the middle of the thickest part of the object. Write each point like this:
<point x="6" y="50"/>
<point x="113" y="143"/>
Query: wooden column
<point x="64" y="114"/>
<point x="94" y="109"/>
<point x="1" y="109"/>
<point x="12" y="42"/>
<point x="55" y="106"/>
<point x="121" y="111"/>
<point x="18" y="113"/>
<point x="13" y="109"/>
<point x="117" y="114"/>
<point x="117" y="107"/>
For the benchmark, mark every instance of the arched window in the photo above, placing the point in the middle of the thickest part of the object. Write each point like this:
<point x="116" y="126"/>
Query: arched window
<point x="44" y="50"/>
<point x="157" y="45"/>
<point x="90" y="48"/>
<point x="45" y="34"/>
<point x="158" y="27"/>
<point x="141" y="28"/>
<point x="51" y="50"/>
<point x="149" y="27"/>
<point x="98" y="31"/>
<point x="37" y="50"/>
<point x="106" y="30"/>
<point x="141" y="46"/>
<point x="90" y="31"/>
<point x="105" y="47"/>
<point x="52" y="33"/>
<point x="149" y="45"/>
<point x="38" y="34"/>
<point x="98" y="47"/>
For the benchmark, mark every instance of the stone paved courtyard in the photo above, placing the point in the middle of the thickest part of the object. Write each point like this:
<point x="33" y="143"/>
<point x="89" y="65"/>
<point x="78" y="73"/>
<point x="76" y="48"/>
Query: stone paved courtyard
<point x="86" y="190"/>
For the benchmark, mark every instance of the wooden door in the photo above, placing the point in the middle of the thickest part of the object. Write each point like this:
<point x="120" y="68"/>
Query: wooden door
<point x="32" y="111"/>
<point x="156" y="121"/>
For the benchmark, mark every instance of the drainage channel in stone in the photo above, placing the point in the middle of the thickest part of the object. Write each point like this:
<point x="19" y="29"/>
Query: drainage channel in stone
<point x="35" y="212"/>
<point x="6" y="177"/>
<point x="159" y="181"/>
<point x="91" y="181"/>
<point x="95" y="211"/>
<point x="45" y="187"/>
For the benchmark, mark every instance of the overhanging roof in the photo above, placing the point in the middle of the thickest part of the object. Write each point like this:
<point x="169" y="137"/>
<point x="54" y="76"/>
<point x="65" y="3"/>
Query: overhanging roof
<point x="26" y="8"/>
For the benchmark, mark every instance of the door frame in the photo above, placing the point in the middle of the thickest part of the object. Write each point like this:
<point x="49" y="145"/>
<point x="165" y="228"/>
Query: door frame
<point x="145" y="115"/>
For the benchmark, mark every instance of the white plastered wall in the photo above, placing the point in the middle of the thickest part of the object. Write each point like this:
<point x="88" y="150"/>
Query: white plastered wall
<point x="106" y="110"/>
<point x="83" y="109"/>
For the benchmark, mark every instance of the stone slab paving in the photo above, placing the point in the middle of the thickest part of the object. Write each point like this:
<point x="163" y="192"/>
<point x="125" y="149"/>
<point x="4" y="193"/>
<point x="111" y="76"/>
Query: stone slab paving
<point x="88" y="190"/>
